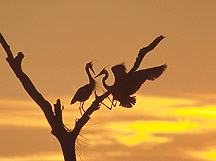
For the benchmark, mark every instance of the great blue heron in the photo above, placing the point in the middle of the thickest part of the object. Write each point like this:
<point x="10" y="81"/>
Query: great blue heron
<point x="84" y="92"/>
<point x="127" y="84"/>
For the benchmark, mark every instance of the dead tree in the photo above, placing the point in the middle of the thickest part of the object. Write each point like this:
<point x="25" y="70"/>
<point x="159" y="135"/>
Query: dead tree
<point x="65" y="137"/>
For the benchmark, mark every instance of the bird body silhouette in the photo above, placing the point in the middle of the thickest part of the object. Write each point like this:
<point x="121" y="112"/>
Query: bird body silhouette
<point x="84" y="92"/>
<point x="127" y="84"/>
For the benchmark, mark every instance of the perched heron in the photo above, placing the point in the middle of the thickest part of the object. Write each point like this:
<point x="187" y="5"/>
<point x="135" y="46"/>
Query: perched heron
<point x="127" y="84"/>
<point x="84" y="92"/>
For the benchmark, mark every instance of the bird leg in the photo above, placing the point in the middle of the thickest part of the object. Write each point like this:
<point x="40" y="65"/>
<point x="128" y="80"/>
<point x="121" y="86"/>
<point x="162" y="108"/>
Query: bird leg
<point x="109" y="99"/>
<point x="110" y="108"/>
<point x="81" y="107"/>
<point x="96" y="96"/>
<point x="114" y="105"/>
<point x="112" y="102"/>
<point x="107" y="96"/>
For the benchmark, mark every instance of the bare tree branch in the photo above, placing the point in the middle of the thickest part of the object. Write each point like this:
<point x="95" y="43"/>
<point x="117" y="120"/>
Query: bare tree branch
<point x="65" y="137"/>
<point x="15" y="64"/>
<point x="85" y="117"/>
<point x="6" y="47"/>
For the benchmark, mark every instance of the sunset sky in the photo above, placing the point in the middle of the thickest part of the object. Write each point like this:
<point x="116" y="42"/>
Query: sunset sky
<point x="174" y="117"/>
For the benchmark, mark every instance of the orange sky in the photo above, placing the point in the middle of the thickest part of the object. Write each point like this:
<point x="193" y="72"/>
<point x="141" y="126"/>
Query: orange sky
<point x="174" y="117"/>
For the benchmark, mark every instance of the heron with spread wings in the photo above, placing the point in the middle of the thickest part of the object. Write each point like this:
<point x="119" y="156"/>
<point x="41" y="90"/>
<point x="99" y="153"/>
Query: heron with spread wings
<point x="127" y="84"/>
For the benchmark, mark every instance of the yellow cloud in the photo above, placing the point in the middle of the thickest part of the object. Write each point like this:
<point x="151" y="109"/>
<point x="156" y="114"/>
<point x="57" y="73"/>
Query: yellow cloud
<point x="138" y="138"/>
<point x="147" y="106"/>
<point x="209" y="154"/>
<point x="163" y="101"/>
<point x="136" y="132"/>
<point x="16" y="112"/>
<point x="208" y="112"/>
<point x="37" y="157"/>
<point x="165" y="126"/>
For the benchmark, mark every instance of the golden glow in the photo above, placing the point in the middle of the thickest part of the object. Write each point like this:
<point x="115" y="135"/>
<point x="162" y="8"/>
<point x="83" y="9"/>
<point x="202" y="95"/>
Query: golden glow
<point x="21" y="113"/>
<point x="163" y="126"/>
<point x="59" y="37"/>
<point x="159" y="106"/>
<point x="209" y="154"/>
<point x="162" y="101"/>
<point x="208" y="112"/>
<point x="138" y="138"/>
<point x="36" y="157"/>
<point x="24" y="121"/>
<point x="16" y="102"/>
<point x="137" y="132"/>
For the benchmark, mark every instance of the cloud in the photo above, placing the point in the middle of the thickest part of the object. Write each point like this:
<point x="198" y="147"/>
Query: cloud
<point x="133" y="133"/>
<point x="36" y="157"/>
<point x="207" y="154"/>
<point x="21" y="141"/>
<point x="201" y="112"/>
<point x="172" y="128"/>
<point x="179" y="148"/>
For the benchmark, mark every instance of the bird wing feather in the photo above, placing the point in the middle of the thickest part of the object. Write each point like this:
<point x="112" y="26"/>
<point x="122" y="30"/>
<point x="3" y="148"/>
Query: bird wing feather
<point x="83" y="93"/>
<point x="136" y="79"/>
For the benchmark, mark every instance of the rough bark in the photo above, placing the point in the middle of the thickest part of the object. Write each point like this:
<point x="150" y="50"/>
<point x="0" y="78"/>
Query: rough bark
<point x="66" y="138"/>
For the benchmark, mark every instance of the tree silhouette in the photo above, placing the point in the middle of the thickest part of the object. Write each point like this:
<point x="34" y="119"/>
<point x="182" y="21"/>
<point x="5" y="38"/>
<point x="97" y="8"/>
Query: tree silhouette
<point x="65" y="137"/>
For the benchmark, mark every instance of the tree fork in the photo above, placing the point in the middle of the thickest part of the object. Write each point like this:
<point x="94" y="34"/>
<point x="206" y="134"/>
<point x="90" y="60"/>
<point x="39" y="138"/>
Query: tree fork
<point x="65" y="137"/>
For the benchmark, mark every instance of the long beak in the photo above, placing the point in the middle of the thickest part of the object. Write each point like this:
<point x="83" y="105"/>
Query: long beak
<point x="99" y="74"/>
<point x="92" y="69"/>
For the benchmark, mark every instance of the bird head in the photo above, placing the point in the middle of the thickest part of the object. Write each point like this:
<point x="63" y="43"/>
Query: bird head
<point x="89" y="65"/>
<point x="103" y="71"/>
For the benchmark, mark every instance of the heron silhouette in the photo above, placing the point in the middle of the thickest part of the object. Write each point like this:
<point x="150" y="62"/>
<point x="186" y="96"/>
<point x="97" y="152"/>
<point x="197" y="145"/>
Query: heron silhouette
<point x="126" y="84"/>
<point x="84" y="92"/>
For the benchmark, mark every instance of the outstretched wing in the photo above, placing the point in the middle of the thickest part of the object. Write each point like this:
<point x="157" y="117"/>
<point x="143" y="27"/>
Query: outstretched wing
<point x="136" y="79"/>
<point x="144" y="51"/>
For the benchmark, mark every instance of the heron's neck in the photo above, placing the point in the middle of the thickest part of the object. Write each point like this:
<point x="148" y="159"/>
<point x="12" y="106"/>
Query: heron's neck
<point x="104" y="79"/>
<point x="89" y="75"/>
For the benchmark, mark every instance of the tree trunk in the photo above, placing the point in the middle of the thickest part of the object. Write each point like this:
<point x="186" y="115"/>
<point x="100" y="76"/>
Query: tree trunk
<point x="68" y="149"/>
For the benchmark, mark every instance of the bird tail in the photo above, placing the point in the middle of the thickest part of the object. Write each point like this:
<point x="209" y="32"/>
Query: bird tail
<point x="155" y="72"/>
<point x="73" y="101"/>
<point x="129" y="102"/>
